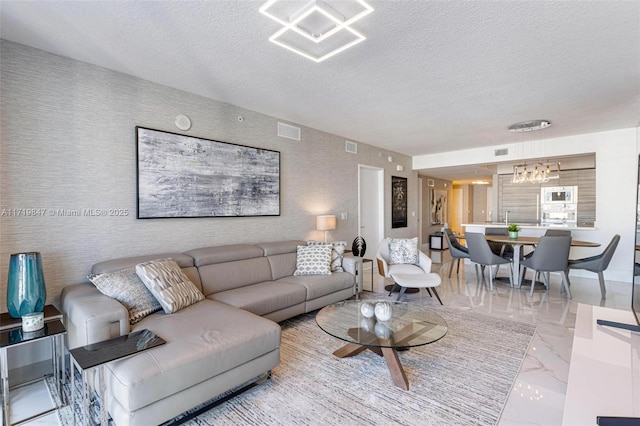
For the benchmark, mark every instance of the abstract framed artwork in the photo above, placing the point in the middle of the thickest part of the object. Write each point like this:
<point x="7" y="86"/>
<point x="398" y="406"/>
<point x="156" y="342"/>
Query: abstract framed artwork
<point x="183" y="176"/>
<point x="438" y="206"/>
<point x="398" y="202"/>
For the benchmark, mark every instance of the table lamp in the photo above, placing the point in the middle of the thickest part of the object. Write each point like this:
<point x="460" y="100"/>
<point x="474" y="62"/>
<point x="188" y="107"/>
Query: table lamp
<point x="26" y="291"/>
<point x="326" y="223"/>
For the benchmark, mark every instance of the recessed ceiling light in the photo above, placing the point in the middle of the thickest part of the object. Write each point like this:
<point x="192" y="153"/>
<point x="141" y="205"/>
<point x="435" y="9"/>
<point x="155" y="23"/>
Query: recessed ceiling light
<point x="529" y="126"/>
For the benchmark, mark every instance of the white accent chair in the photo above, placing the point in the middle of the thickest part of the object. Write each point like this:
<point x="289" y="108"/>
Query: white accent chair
<point x="406" y="275"/>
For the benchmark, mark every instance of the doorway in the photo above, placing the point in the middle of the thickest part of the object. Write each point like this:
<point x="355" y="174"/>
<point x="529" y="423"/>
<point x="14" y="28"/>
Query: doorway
<point x="371" y="209"/>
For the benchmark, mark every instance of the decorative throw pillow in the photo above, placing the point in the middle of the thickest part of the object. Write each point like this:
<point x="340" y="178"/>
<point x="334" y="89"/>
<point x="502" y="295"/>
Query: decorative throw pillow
<point x="167" y="282"/>
<point x="337" y="253"/>
<point x="126" y="287"/>
<point x="403" y="250"/>
<point x="313" y="260"/>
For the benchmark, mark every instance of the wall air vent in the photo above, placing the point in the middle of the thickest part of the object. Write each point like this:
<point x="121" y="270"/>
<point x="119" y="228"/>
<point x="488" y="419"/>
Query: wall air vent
<point x="351" y="147"/>
<point x="288" y="131"/>
<point x="503" y="151"/>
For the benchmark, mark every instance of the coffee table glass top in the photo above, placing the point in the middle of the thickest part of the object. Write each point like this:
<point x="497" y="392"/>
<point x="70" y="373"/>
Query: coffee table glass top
<point x="411" y="325"/>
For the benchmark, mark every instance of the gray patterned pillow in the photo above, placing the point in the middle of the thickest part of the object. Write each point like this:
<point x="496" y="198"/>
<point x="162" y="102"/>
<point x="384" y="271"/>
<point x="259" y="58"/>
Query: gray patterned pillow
<point x="167" y="282"/>
<point x="403" y="250"/>
<point x="313" y="260"/>
<point x="126" y="287"/>
<point x="337" y="253"/>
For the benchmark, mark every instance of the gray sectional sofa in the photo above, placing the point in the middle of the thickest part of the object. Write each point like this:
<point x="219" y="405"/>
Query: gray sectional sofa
<point x="215" y="345"/>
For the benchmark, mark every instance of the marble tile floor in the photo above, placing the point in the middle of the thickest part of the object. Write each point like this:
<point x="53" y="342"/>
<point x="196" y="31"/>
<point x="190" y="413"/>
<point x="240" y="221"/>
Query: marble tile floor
<point x="539" y="391"/>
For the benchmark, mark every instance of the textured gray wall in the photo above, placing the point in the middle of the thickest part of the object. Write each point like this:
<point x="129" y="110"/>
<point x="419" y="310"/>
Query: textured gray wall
<point x="68" y="142"/>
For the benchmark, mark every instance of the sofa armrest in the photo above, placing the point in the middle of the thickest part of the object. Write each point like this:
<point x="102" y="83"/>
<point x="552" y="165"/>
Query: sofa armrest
<point x="91" y="316"/>
<point x="353" y="265"/>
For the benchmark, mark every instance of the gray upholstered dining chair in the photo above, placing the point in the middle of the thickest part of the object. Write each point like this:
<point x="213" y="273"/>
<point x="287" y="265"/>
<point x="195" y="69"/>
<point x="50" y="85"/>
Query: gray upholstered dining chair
<point x="551" y="255"/>
<point x="457" y="250"/>
<point x="497" y="248"/>
<point x="557" y="232"/>
<point x="480" y="253"/>
<point x="598" y="263"/>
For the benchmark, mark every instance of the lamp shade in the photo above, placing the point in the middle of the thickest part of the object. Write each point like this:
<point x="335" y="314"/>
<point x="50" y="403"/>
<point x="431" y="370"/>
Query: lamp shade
<point x="26" y="291"/>
<point x="326" y="222"/>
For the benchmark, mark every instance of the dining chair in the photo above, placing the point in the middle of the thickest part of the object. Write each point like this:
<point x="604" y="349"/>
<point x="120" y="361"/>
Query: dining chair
<point x="551" y="255"/>
<point x="457" y="250"/>
<point x="481" y="254"/>
<point x="598" y="263"/>
<point x="557" y="232"/>
<point x="497" y="248"/>
<point x="407" y="275"/>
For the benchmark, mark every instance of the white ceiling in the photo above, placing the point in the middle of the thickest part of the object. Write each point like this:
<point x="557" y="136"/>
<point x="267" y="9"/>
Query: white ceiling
<point x="432" y="76"/>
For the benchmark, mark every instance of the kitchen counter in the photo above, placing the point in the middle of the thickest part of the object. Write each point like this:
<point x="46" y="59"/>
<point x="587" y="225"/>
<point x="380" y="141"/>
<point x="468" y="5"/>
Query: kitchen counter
<point x="527" y="226"/>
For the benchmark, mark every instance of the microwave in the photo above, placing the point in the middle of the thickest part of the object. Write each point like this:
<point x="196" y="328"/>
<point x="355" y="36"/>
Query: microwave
<point x="559" y="195"/>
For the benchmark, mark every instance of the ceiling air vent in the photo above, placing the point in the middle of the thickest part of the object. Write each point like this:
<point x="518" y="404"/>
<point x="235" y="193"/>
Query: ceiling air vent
<point x="288" y="131"/>
<point x="351" y="147"/>
<point x="503" y="151"/>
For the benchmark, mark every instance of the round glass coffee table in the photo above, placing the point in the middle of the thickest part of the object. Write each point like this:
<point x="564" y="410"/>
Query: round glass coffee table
<point x="410" y="325"/>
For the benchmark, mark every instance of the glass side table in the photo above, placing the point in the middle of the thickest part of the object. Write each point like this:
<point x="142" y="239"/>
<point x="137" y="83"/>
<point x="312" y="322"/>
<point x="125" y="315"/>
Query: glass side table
<point x="96" y="356"/>
<point x="10" y="338"/>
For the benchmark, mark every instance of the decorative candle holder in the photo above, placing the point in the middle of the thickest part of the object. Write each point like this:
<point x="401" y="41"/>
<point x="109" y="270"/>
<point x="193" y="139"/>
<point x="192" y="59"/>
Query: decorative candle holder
<point x="33" y="321"/>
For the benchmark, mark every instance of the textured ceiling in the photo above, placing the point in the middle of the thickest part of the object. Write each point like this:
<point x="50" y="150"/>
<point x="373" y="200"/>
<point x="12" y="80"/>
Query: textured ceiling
<point x="432" y="76"/>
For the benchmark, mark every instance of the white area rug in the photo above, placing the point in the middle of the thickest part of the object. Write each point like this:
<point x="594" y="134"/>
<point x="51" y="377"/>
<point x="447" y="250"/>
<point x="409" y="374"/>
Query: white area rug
<point x="462" y="379"/>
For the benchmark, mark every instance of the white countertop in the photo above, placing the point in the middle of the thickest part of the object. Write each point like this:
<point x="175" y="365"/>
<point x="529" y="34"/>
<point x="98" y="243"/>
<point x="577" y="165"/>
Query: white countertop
<point x="529" y="226"/>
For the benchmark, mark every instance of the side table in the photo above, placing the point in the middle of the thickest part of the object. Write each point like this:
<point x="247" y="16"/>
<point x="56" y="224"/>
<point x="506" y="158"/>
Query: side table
<point x="53" y="331"/>
<point x="96" y="356"/>
<point x="364" y="261"/>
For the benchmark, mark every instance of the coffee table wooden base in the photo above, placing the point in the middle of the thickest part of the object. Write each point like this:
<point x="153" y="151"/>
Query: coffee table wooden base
<point x="390" y="355"/>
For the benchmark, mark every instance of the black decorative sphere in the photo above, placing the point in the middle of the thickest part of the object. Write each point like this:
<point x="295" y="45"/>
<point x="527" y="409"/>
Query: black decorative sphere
<point x="359" y="247"/>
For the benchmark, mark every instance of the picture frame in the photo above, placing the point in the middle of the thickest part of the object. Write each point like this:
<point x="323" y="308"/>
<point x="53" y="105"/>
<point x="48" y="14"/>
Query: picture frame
<point x="438" y="206"/>
<point x="431" y="182"/>
<point x="181" y="176"/>
<point x="398" y="202"/>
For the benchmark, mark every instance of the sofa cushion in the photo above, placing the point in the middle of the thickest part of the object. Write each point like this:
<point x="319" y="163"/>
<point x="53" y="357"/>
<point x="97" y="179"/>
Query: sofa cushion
<point x="280" y="247"/>
<point x="313" y="260"/>
<point x="221" y="254"/>
<point x="127" y="288"/>
<point x="321" y="285"/>
<point x="182" y="260"/>
<point x="229" y="275"/>
<point x="263" y="298"/>
<point x="282" y="265"/>
<point x="168" y="284"/>
<point x="203" y="340"/>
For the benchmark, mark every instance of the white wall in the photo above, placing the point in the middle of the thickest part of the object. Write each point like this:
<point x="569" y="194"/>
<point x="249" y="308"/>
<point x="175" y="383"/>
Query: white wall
<point x="616" y="174"/>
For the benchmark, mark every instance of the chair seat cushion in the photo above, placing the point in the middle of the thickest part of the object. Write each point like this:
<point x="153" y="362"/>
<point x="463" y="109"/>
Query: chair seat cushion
<point x="405" y="269"/>
<point x="417" y="281"/>
<point x="203" y="340"/>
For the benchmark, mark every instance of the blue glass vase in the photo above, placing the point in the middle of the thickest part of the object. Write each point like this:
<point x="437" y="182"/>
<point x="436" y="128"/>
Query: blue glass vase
<point x="26" y="291"/>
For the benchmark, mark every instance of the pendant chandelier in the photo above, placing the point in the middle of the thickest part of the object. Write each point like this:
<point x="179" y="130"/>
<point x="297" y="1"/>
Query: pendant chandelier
<point x="539" y="173"/>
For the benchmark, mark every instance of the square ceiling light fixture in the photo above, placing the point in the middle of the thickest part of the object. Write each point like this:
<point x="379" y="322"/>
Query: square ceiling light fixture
<point x="314" y="29"/>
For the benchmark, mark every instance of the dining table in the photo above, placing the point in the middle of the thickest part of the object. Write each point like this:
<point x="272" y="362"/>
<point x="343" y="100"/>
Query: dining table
<point x="520" y="241"/>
